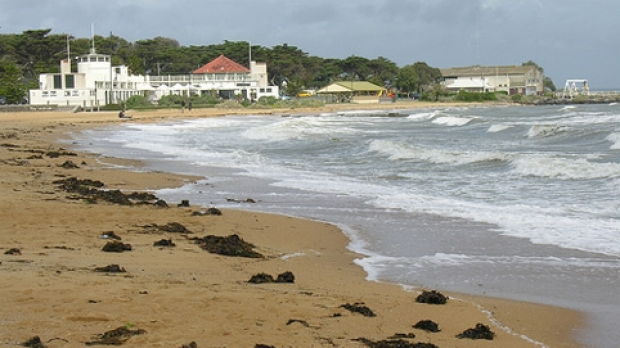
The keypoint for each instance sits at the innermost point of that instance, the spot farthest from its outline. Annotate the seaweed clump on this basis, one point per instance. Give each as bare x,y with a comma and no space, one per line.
231,245
173,227
34,342
116,247
260,278
480,332
13,251
359,308
115,337
90,190
113,268
427,325
164,243
394,343
210,211
432,297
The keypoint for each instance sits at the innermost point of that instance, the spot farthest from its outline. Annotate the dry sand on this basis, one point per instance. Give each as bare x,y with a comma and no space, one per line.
174,296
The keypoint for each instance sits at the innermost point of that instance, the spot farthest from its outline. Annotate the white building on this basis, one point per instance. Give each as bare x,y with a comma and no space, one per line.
527,79
98,83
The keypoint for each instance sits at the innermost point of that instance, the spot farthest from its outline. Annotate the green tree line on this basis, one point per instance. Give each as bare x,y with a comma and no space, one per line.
24,56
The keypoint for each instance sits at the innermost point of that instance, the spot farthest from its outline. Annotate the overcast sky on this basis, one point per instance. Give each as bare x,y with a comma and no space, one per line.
568,38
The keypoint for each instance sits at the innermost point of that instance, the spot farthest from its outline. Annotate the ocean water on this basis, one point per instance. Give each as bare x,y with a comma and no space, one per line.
512,202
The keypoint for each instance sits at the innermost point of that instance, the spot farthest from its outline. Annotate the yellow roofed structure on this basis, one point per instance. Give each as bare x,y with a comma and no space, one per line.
360,92
353,87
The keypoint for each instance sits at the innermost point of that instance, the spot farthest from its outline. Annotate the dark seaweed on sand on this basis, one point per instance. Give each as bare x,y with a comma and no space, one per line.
231,245
113,268
116,247
210,211
260,278
89,190
398,343
13,251
115,337
164,243
173,227
427,325
432,297
61,152
359,308
34,342
397,336
480,332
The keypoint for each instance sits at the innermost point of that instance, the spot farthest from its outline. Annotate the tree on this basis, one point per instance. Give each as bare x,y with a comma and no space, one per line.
325,71
11,85
428,76
355,68
286,63
157,54
407,80
383,72
548,84
532,63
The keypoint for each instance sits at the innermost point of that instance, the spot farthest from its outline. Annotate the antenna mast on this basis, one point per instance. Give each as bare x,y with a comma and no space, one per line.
92,37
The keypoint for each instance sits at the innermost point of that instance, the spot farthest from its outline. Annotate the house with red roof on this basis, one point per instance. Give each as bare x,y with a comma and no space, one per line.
232,80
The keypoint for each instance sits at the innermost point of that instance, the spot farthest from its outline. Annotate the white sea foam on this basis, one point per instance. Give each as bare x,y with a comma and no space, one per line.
424,116
564,168
499,128
453,121
615,139
397,151
298,128
539,224
537,131
459,260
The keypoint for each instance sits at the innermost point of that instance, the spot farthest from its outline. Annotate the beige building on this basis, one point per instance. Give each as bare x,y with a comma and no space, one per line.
527,80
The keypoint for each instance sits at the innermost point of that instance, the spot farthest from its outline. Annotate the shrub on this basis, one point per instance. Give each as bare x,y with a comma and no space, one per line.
475,96
516,98
137,101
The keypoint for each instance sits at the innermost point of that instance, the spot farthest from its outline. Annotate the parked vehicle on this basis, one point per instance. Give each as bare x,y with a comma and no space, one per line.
2,100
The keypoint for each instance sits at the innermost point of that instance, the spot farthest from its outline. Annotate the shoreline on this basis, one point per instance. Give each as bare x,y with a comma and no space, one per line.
326,276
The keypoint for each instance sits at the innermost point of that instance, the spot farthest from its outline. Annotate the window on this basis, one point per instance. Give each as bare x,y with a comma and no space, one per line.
69,81
57,82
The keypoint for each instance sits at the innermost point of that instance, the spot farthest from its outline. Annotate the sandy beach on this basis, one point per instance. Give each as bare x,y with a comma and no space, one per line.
58,283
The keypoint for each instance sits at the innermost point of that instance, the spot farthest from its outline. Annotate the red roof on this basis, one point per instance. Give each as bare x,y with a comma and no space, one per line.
221,65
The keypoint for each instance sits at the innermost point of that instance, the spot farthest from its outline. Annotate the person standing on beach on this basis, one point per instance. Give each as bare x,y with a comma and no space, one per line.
183,106
189,106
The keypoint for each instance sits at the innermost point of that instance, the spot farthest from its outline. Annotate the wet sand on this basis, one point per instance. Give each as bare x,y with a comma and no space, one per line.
51,243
